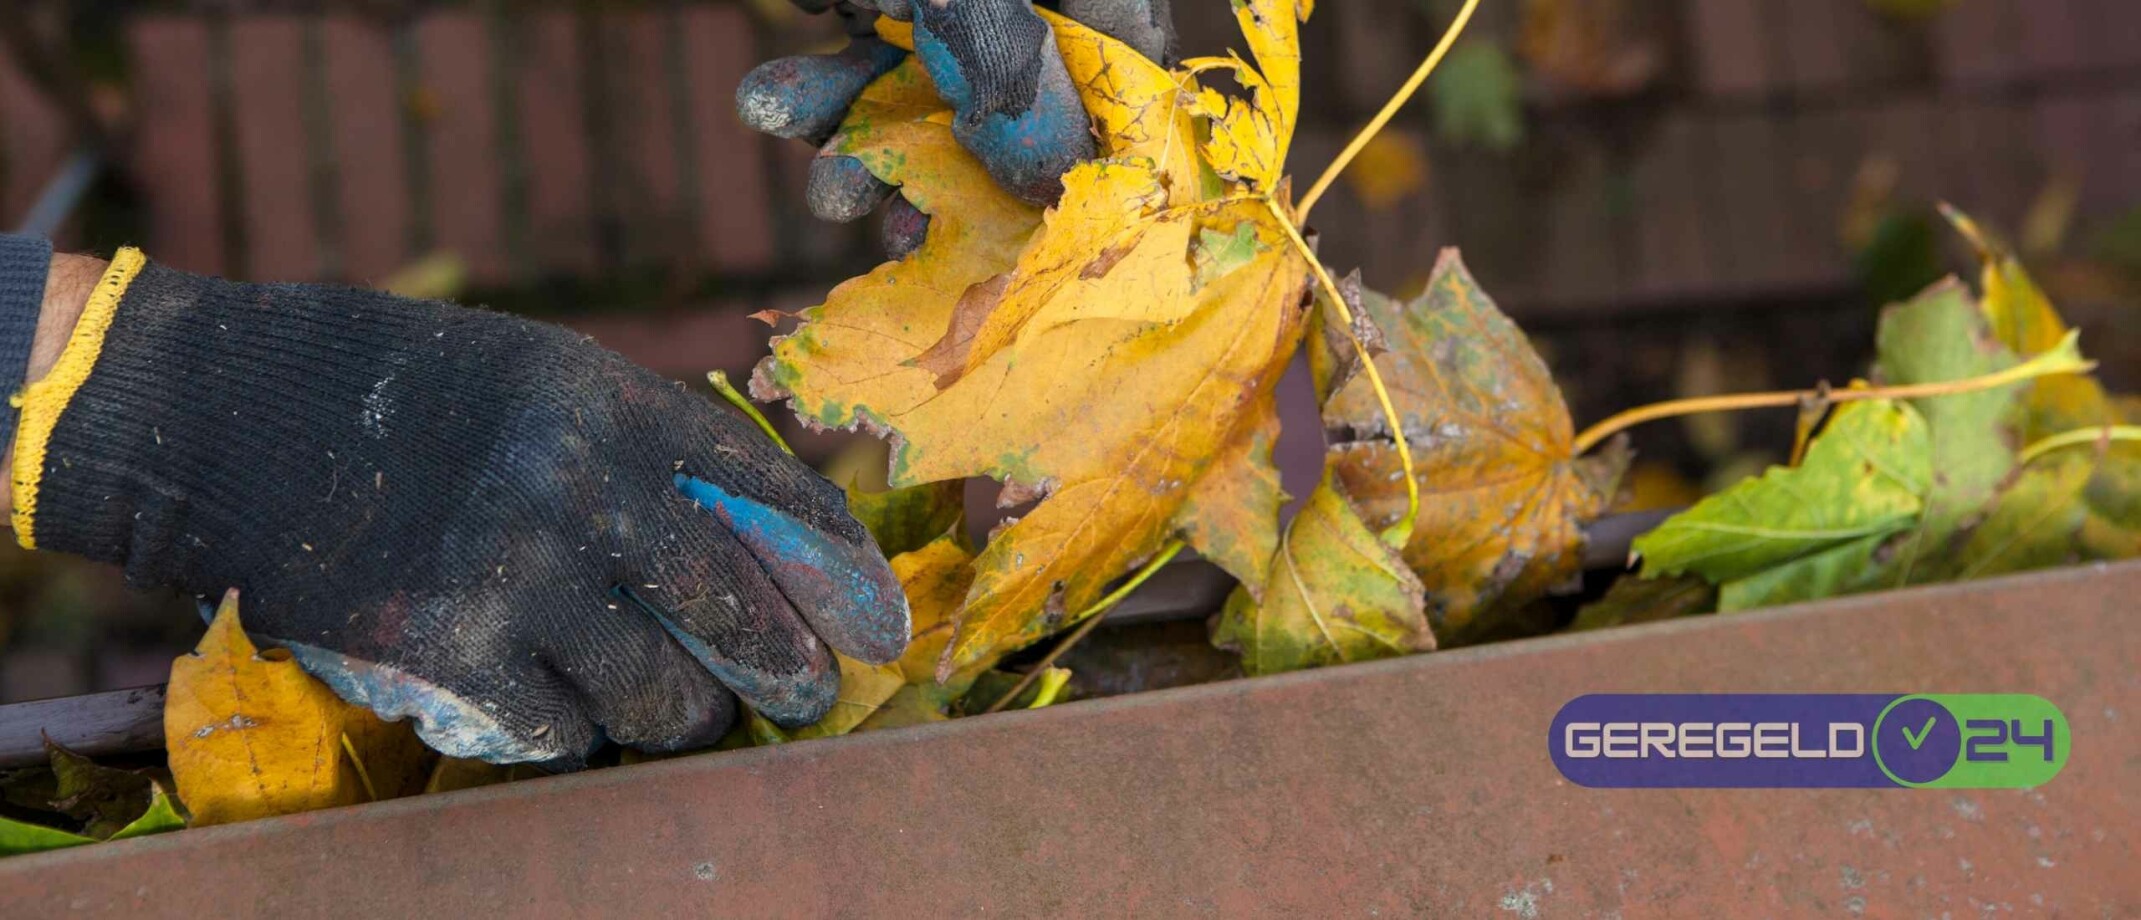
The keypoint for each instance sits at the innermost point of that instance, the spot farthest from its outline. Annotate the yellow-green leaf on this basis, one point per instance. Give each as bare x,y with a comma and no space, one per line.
905,520
2036,522
1807,531
1335,594
2025,320
863,690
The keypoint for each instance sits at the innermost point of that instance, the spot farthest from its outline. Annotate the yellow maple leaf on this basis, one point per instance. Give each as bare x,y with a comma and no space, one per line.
251,735
1250,136
1503,497
1336,594
1116,359
850,362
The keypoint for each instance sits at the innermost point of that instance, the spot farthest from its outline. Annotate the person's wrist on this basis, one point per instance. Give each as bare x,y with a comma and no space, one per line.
68,283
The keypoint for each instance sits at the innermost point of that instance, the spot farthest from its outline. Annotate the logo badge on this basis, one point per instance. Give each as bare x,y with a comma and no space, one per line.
1811,741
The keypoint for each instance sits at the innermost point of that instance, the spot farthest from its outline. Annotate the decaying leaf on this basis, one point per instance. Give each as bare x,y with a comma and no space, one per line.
104,798
1121,422
1633,599
1808,531
251,735
910,706
88,802
1115,359
1336,594
1503,498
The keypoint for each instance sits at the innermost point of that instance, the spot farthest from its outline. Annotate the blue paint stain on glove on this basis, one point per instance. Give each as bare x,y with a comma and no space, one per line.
847,593
996,62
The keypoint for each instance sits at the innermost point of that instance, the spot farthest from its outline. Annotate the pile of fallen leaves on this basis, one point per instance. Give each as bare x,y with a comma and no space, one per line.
1112,361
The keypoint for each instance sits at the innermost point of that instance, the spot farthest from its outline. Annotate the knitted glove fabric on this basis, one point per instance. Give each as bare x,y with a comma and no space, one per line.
484,523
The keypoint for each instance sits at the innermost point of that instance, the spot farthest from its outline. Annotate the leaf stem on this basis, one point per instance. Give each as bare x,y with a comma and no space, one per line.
2061,359
1092,617
1400,533
371,793
2095,434
1390,110
720,380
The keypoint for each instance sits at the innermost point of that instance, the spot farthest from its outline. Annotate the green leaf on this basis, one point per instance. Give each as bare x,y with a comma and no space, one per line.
1940,336
1806,531
912,705
1479,97
19,837
161,816
905,520
1634,599
1335,594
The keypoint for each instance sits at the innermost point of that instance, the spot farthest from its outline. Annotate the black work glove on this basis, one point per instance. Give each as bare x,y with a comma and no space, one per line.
996,64
487,524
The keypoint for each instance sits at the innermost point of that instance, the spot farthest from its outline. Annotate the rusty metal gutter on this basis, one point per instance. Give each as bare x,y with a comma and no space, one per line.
1412,787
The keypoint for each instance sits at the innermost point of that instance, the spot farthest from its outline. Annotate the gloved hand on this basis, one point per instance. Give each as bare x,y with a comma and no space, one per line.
994,61
485,523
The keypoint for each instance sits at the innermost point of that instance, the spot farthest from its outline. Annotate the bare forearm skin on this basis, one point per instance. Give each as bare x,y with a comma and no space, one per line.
67,287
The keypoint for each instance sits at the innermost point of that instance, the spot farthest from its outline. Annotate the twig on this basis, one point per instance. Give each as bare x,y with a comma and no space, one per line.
1400,533
1390,109
2095,434
720,380
1811,411
2051,362
1092,617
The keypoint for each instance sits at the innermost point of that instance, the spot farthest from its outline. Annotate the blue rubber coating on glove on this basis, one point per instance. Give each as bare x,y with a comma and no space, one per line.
806,97
448,722
841,590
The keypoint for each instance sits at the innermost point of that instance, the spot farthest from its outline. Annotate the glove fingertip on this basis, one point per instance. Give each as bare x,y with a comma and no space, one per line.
905,229
1027,125
845,591
806,97
842,190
